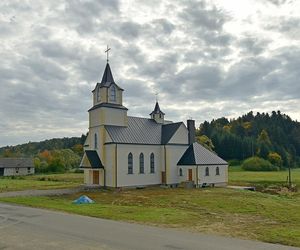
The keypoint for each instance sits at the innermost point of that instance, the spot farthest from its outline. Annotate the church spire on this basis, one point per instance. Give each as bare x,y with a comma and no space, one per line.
157,114
107,75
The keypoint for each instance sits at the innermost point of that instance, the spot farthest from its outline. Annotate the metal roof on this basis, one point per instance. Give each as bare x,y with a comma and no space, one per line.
196,154
93,158
109,105
168,130
107,79
16,163
107,75
142,131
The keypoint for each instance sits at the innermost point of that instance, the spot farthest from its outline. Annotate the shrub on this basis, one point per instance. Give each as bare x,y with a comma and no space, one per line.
275,159
258,164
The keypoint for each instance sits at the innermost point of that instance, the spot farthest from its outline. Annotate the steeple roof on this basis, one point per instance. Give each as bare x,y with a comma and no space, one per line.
157,109
107,79
107,75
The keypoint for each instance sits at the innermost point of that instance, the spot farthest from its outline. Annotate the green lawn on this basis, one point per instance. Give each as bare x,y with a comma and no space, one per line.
243,214
239,177
44,181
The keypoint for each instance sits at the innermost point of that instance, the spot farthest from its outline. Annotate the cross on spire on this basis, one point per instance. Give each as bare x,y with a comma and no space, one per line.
106,51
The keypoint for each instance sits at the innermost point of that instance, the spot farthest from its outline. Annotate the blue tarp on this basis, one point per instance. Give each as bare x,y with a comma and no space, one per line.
83,200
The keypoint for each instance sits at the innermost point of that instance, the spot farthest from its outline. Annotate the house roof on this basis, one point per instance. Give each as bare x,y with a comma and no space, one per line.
157,109
196,154
16,163
93,158
142,131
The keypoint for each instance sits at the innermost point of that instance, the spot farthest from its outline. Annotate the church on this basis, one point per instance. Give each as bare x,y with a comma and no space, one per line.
128,151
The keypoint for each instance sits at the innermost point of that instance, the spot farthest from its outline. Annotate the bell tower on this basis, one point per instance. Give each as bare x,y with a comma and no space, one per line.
108,106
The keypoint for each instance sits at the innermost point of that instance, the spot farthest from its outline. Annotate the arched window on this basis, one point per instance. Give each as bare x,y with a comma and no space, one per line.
130,164
206,171
95,141
113,93
180,172
142,163
98,95
152,164
217,171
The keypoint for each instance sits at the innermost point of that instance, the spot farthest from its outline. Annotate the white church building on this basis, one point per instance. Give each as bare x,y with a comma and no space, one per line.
127,151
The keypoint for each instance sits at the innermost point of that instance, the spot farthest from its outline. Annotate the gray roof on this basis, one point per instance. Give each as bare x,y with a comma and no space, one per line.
107,78
142,131
157,109
196,154
16,163
93,158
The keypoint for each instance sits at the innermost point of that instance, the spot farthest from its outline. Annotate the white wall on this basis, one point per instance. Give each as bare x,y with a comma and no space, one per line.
173,155
213,178
217,180
137,179
181,136
18,171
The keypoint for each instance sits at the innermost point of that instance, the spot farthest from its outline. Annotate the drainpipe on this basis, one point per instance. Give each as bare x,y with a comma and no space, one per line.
104,172
116,164
197,178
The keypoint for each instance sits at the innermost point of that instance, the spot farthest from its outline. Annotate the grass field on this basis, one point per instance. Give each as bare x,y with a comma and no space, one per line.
243,214
239,177
44,181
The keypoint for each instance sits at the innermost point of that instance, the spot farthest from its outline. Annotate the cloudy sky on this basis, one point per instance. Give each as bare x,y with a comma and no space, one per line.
206,59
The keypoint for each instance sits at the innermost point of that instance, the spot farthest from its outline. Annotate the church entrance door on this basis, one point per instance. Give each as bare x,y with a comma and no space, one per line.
190,174
96,177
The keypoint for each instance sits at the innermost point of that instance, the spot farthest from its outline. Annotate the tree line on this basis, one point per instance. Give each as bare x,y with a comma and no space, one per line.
54,155
274,137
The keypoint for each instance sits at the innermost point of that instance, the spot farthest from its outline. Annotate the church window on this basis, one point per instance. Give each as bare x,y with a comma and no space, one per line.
206,171
98,95
217,171
142,170
130,164
113,93
152,164
96,141
180,172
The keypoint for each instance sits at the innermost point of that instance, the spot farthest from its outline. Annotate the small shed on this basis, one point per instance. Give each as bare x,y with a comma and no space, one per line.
16,166
202,167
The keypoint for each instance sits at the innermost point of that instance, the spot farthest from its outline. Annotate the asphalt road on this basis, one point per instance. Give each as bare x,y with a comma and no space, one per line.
29,228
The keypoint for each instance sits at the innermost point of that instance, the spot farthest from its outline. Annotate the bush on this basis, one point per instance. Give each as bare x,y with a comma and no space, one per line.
258,164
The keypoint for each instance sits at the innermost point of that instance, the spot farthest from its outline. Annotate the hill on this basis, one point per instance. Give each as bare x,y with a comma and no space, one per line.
31,149
264,135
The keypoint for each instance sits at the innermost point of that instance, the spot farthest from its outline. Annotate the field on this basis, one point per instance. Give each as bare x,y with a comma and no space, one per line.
50,181
244,214
245,178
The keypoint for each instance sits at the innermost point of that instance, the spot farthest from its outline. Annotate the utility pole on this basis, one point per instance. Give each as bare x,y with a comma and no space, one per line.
290,180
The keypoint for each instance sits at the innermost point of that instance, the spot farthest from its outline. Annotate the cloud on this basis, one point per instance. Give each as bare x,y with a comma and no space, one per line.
204,60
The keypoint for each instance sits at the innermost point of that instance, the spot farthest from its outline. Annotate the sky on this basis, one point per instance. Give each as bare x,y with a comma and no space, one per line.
205,59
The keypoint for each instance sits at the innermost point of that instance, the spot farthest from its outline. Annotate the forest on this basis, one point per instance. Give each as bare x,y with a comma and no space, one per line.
273,137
